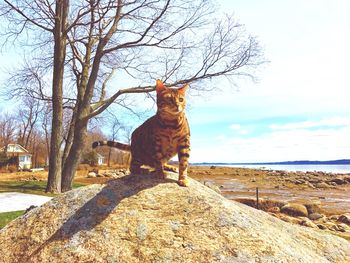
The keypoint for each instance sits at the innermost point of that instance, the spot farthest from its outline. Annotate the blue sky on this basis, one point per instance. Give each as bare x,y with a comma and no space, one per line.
299,109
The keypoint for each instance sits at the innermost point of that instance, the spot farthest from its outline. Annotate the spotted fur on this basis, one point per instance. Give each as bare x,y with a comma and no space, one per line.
162,136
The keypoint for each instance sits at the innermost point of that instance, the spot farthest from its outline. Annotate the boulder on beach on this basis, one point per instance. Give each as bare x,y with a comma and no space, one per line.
146,219
294,209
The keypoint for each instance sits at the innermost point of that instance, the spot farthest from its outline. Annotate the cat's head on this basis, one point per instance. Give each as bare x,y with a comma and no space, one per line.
170,101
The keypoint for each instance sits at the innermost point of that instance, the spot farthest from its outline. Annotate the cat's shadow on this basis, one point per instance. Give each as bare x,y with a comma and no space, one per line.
98,208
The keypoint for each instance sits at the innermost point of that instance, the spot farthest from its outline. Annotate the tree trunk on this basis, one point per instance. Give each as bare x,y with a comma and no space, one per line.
54,178
69,139
109,157
73,159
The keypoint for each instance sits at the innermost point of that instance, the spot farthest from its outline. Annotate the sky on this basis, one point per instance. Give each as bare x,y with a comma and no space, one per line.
299,108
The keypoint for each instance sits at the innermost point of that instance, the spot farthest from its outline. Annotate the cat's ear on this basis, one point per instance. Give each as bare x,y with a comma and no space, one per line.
160,86
183,89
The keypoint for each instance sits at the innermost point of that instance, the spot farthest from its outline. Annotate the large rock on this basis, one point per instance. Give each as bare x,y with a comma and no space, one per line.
294,209
144,219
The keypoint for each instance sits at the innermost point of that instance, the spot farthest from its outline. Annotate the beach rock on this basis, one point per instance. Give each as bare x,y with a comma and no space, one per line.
289,219
310,185
294,209
343,227
147,219
344,219
338,181
321,226
334,217
110,174
315,180
307,222
314,207
299,181
322,185
91,175
315,216
331,226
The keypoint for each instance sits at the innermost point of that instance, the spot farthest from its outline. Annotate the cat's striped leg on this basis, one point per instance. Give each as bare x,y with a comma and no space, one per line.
183,154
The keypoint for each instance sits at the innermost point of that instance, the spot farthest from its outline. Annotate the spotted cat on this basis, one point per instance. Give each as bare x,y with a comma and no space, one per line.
162,136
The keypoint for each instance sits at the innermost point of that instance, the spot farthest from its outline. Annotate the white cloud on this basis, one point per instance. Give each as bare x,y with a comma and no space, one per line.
239,129
329,122
235,126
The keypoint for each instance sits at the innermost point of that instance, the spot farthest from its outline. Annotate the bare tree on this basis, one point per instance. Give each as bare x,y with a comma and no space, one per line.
114,130
178,41
8,128
28,116
50,18
45,122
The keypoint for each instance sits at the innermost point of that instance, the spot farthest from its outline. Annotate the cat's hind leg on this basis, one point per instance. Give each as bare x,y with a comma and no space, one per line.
159,166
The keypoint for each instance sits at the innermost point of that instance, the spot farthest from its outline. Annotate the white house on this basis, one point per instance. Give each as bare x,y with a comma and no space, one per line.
100,159
24,158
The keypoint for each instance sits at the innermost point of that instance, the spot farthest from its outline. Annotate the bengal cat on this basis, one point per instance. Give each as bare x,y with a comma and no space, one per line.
162,136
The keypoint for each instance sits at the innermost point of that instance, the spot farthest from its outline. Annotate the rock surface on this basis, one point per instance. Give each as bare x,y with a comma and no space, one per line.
145,219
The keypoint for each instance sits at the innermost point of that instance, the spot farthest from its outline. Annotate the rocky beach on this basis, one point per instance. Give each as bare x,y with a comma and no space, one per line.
314,199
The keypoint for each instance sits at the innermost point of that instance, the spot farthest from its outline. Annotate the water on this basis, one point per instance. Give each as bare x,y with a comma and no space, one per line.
334,168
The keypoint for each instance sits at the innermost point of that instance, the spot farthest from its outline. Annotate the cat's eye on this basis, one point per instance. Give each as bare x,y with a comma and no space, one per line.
181,99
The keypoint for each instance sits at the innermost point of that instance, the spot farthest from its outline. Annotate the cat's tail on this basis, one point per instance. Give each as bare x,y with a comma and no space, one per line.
118,145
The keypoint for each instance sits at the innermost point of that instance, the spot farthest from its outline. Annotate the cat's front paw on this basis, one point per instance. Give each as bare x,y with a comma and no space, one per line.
184,182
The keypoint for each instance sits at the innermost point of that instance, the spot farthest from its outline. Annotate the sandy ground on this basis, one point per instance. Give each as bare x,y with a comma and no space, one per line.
19,201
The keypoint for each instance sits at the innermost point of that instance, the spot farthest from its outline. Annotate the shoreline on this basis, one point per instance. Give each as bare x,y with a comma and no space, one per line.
326,168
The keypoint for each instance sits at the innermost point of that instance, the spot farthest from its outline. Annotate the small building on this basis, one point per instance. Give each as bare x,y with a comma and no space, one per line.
100,159
17,154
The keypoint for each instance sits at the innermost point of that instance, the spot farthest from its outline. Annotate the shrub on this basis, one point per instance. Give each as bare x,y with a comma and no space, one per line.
90,158
12,168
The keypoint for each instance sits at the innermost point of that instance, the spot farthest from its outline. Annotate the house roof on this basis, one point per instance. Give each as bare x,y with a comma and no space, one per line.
10,148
